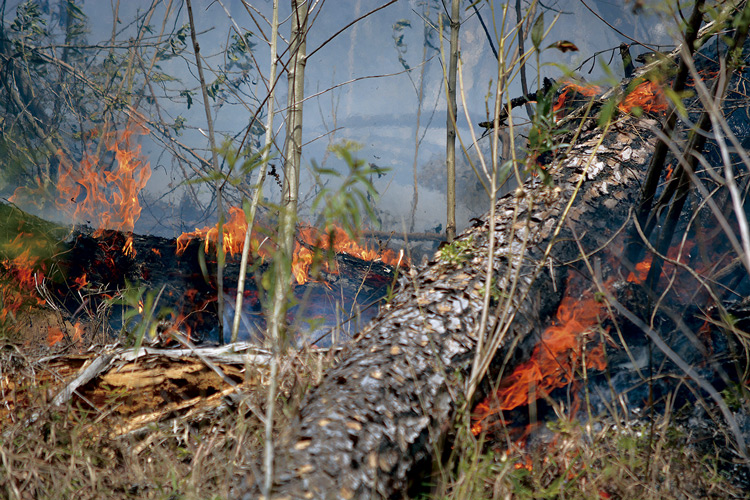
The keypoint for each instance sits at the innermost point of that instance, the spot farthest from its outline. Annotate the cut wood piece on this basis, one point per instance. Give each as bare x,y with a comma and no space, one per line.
141,387
380,414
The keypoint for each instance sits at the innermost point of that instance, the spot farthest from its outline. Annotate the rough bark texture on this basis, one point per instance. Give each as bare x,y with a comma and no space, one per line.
382,412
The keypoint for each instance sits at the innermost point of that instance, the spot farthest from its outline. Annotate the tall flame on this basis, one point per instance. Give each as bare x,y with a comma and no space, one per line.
88,191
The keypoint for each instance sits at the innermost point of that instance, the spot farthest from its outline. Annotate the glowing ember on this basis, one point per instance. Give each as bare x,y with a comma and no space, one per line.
81,281
87,191
553,362
647,96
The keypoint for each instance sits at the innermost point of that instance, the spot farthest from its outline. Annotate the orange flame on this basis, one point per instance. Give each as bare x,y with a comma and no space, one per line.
88,192
334,239
81,281
553,361
570,87
678,253
648,96
23,270
234,235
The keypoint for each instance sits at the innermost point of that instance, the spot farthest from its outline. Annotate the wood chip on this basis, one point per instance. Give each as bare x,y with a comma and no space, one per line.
305,469
355,426
346,493
301,445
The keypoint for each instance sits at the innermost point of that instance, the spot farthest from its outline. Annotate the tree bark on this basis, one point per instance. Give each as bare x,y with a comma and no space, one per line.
450,147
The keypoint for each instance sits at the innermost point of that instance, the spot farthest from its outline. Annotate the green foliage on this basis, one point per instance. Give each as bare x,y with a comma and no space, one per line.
177,42
213,89
537,31
496,293
241,165
188,95
544,135
239,50
736,395
353,197
29,22
457,252
140,311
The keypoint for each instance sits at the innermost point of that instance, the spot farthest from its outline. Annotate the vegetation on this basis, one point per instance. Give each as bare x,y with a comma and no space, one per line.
61,94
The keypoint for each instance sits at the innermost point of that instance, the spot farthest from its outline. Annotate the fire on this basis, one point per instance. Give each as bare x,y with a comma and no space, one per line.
21,274
88,191
234,235
335,238
55,334
81,281
679,253
647,96
553,361
568,89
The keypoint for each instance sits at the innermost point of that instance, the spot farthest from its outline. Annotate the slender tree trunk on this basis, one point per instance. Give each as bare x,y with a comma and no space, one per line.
450,146
215,160
287,217
261,176
417,140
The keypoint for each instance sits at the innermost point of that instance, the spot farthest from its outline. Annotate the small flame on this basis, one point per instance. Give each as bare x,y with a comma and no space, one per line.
647,96
21,269
234,236
335,238
680,253
81,281
570,87
54,335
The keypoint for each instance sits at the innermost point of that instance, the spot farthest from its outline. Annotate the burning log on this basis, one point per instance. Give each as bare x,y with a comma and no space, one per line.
378,415
68,264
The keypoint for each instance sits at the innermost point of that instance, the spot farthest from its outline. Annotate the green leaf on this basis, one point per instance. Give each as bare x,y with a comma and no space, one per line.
677,100
537,31
607,112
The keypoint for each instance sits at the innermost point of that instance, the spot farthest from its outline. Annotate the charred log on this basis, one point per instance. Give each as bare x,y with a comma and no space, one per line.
78,264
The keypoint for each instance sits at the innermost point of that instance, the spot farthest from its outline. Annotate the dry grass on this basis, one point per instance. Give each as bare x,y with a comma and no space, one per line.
72,452
602,460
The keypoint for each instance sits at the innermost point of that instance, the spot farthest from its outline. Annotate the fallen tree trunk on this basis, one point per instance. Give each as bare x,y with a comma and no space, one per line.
383,411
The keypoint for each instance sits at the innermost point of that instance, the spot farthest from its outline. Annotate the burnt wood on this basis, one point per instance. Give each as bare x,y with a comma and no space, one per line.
80,262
